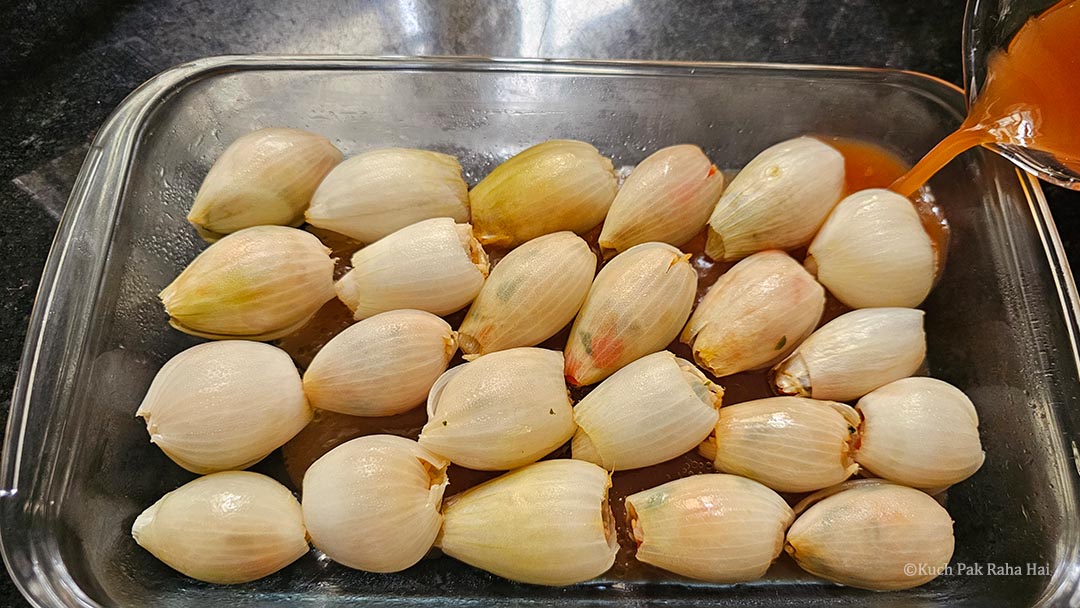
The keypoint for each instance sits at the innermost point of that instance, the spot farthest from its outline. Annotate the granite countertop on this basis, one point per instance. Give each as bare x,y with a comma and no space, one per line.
67,64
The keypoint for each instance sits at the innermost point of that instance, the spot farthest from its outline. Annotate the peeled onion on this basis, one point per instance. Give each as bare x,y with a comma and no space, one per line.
224,405
716,528
547,524
778,200
853,354
266,177
874,251
378,192
790,444
637,304
373,503
873,535
530,295
920,432
381,366
226,528
755,314
259,283
650,411
434,265
554,186
667,198
500,411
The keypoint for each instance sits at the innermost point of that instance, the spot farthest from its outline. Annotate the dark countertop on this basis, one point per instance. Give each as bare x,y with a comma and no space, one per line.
65,65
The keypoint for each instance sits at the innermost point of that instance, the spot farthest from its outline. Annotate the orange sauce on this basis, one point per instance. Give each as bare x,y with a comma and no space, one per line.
866,165
1029,99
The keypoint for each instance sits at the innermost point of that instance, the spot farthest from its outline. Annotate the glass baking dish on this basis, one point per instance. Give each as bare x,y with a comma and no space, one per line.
77,466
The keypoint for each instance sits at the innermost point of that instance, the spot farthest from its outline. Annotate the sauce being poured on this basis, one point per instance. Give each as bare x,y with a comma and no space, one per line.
1029,100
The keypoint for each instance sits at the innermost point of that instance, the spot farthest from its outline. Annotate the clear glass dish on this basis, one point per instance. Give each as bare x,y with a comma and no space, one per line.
77,467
